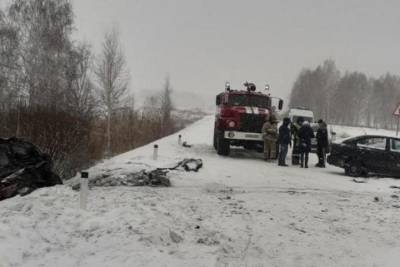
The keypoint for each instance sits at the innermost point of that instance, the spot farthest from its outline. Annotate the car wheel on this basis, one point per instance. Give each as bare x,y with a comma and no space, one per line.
354,169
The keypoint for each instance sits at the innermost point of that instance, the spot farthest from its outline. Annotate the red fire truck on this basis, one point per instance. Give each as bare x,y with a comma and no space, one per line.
240,116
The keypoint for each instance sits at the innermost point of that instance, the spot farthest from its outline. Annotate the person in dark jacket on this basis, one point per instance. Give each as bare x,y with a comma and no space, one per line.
295,127
306,133
322,143
284,141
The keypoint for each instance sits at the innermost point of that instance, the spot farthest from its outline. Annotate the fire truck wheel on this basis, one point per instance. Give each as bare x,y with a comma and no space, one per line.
215,140
248,146
223,146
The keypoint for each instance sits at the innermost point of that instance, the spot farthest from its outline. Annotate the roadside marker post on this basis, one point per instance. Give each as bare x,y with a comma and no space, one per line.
397,114
179,139
84,190
155,152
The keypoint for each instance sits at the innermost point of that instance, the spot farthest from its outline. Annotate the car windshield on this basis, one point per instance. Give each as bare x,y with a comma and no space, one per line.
296,118
249,100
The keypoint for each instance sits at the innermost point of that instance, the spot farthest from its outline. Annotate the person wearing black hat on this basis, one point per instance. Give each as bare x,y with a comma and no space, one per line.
322,143
284,141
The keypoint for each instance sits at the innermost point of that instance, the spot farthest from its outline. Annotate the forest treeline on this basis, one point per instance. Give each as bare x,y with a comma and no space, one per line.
350,98
55,93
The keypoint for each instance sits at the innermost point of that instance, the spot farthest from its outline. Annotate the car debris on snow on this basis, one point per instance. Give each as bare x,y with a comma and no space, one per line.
208,241
189,165
157,177
185,144
23,168
143,178
294,227
176,238
360,180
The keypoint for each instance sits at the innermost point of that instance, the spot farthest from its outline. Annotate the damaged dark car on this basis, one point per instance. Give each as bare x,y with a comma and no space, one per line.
367,154
23,168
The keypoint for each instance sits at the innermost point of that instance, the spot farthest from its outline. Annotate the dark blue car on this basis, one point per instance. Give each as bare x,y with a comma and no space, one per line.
366,154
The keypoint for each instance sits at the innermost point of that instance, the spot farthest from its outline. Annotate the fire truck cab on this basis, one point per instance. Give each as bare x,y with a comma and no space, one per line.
240,116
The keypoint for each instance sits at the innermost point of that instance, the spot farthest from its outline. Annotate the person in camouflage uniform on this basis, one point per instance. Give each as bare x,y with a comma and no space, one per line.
270,135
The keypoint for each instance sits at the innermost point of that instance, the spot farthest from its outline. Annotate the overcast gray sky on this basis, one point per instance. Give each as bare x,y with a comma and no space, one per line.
203,43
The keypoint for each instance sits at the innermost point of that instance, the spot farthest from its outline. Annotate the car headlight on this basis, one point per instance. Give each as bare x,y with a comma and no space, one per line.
231,124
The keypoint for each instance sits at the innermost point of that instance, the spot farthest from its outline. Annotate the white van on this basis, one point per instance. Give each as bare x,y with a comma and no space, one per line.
306,114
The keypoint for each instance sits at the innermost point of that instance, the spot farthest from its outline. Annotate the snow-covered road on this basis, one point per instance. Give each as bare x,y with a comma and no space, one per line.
236,211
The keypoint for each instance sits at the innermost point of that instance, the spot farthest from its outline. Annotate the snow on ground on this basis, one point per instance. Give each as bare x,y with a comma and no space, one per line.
236,211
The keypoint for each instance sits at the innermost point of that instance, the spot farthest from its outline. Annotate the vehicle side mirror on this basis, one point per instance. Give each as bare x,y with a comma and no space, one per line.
218,100
280,105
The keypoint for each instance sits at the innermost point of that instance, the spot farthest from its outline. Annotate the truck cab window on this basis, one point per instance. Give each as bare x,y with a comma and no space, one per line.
248,100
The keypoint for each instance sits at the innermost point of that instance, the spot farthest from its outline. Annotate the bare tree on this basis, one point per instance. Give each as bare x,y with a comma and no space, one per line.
166,108
10,71
80,96
351,99
44,30
385,97
330,84
45,64
313,89
112,77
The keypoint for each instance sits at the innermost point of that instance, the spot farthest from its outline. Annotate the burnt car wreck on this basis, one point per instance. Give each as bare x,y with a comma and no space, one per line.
23,168
362,155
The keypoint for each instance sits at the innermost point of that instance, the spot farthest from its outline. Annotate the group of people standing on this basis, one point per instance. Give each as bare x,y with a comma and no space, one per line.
277,141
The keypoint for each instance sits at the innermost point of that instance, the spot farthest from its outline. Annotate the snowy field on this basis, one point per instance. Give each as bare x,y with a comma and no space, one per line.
236,211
